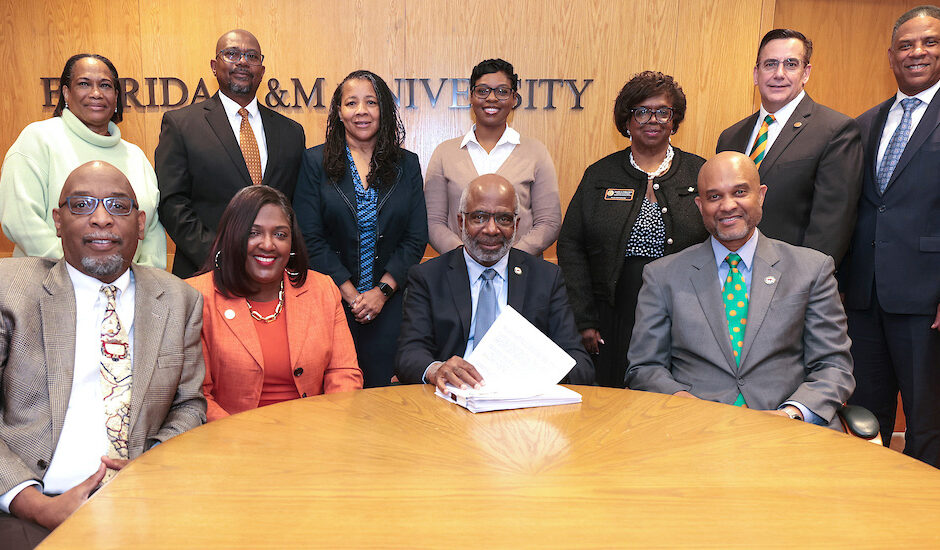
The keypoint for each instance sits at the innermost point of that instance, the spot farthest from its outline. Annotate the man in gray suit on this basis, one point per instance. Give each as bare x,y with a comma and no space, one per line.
809,156
742,318
100,359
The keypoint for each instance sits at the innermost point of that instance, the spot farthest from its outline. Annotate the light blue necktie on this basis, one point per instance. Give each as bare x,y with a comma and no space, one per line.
897,144
486,306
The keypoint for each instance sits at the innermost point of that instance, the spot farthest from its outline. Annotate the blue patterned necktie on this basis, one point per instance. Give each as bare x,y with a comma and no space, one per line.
486,306
897,144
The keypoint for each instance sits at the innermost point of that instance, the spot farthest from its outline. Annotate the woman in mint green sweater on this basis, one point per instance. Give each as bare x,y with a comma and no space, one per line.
82,129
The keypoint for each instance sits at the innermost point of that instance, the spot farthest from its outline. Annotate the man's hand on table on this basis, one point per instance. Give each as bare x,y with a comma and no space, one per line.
456,372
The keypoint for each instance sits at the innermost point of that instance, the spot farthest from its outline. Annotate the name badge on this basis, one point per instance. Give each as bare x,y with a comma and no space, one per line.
618,195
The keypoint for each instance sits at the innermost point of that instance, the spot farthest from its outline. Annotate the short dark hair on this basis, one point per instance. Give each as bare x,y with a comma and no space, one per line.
925,10
488,66
383,167
66,80
784,34
643,86
229,251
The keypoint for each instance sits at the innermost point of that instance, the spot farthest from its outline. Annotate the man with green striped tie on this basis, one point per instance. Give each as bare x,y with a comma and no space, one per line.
808,156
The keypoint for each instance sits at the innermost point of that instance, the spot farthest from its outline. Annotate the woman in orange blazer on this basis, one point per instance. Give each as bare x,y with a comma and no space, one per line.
271,330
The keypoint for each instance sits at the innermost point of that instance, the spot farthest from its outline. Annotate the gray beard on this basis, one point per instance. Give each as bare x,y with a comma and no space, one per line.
104,267
483,256
239,89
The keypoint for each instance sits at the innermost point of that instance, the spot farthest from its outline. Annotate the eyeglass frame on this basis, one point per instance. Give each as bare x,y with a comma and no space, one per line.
102,201
491,216
241,55
489,90
635,110
777,63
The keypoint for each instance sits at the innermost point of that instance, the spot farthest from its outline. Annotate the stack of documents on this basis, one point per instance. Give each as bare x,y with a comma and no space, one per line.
521,367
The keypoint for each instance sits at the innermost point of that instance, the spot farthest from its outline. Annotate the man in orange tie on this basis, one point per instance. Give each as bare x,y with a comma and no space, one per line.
210,150
808,156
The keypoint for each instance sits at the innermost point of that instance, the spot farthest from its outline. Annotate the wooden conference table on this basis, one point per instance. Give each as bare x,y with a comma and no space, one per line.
399,467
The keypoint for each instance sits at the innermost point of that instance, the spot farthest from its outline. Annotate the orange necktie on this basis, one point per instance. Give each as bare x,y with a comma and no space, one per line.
250,148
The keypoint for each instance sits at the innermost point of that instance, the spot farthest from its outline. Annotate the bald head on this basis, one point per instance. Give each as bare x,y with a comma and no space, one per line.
490,184
240,36
730,198
98,221
237,65
488,218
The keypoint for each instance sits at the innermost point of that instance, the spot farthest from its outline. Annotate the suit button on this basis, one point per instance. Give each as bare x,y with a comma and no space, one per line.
882,208
873,244
740,381
669,241
655,187
42,464
304,395
298,371
665,210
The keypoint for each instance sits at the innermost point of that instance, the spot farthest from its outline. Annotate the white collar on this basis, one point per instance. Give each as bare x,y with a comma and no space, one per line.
783,114
231,108
509,136
88,284
926,96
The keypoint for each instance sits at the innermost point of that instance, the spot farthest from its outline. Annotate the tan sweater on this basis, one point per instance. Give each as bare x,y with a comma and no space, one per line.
531,171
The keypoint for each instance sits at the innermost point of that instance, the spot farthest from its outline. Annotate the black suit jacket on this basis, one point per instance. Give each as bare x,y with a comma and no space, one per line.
437,310
896,244
813,174
200,168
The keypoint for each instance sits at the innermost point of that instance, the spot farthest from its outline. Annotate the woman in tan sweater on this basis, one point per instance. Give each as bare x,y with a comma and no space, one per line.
491,146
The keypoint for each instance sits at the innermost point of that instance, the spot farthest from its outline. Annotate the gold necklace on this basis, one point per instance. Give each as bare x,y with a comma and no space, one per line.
268,318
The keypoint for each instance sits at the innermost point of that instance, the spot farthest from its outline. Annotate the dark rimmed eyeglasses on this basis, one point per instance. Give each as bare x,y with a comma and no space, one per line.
480,217
643,114
234,56
481,91
83,206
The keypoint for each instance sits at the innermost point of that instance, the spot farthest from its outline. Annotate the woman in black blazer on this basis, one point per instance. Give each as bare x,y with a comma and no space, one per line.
631,207
360,204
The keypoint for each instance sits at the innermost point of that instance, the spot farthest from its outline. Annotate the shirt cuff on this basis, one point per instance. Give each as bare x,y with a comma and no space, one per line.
7,497
424,377
808,415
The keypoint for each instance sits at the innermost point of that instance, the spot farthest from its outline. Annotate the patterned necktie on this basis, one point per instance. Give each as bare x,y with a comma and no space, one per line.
486,305
250,148
115,378
734,295
897,144
760,144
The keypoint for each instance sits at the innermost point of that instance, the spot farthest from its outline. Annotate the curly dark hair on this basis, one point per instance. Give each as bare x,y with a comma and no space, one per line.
488,66
643,86
229,251
66,81
383,168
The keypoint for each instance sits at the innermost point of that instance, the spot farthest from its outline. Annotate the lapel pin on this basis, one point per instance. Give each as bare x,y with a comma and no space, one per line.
797,124
770,280
517,270
229,314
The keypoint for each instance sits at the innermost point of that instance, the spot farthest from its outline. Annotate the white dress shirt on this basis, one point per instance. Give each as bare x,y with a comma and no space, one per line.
83,440
489,163
781,117
897,112
254,119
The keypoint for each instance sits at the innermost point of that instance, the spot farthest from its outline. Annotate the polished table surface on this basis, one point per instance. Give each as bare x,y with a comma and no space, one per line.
399,467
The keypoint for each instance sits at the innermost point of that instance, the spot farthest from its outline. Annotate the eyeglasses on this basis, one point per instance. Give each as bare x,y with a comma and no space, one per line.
481,91
790,65
234,56
83,206
643,114
479,217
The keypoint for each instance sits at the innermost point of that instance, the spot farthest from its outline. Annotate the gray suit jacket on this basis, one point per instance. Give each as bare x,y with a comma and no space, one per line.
813,174
37,349
795,346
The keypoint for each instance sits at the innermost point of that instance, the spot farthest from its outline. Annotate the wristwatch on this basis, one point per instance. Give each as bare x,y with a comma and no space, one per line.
792,412
386,289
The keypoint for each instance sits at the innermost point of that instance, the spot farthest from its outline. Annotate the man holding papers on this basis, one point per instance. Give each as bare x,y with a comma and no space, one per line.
742,318
452,300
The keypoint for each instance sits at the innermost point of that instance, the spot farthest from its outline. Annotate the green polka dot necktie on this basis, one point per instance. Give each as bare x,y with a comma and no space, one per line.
734,295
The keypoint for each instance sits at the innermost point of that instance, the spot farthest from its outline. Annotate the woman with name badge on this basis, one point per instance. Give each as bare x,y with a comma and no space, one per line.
271,330
360,204
83,128
631,207
493,147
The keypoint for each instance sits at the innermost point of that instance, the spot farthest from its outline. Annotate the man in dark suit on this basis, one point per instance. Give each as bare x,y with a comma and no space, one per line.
100,359
742,318
451,300
808,156
891,275
208,151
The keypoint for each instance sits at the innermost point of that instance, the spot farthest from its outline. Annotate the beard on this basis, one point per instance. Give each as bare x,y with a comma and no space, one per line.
485,256
239,89
107,266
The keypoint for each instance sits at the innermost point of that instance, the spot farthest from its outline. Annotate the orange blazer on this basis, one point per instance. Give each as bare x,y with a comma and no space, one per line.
318,336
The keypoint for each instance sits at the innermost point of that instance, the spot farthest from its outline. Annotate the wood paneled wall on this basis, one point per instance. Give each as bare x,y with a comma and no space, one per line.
708,45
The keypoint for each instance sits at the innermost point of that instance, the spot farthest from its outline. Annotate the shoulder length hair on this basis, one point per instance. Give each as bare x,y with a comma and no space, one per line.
66,81
229,251
383,167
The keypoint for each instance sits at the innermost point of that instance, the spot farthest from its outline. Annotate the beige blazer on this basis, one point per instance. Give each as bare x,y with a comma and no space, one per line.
37,348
